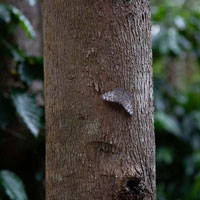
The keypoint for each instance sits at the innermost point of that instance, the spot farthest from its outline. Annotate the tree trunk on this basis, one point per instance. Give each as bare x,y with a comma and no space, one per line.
97,149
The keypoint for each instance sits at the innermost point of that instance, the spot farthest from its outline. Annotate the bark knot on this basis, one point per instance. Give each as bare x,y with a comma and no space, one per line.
133,188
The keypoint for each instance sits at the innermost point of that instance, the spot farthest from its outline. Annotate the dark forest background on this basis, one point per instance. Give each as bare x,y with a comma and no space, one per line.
176,63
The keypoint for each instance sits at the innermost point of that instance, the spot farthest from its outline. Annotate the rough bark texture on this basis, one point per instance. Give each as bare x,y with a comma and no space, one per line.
95,149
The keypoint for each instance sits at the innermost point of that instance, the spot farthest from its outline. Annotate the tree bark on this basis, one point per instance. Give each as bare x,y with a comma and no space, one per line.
96,149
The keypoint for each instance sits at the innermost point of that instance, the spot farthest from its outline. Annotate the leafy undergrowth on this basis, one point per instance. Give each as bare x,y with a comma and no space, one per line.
176,50
177,127
21,112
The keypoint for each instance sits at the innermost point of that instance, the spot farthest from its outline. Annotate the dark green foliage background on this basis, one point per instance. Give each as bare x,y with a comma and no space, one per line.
176,34
22,137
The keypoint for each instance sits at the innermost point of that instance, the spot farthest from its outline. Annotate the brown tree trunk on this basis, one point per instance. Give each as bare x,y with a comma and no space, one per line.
96,149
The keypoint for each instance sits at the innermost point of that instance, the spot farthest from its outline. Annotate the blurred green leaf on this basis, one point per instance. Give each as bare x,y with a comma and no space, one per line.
170,41
193,101
160,103
180,22
161,194
32,2
4,13
167,122
191,128
23,22
192,163
175,32
28,110
164,155
196,188
13,51
20,105
12,185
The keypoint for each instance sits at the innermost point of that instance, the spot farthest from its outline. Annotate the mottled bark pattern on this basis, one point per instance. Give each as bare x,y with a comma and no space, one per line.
94,149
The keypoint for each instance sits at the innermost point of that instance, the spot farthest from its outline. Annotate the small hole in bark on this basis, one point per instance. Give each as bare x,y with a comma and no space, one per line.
132,184
133,188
